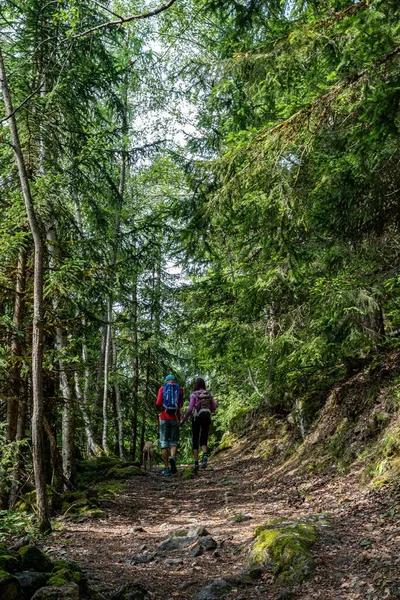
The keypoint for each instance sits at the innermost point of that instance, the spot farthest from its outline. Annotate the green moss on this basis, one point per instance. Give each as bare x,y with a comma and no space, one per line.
287,547
27,502
67,564
94,513
125,472
67,575
10,587
188,473
227,441
33,558
109,488
57,581
9,563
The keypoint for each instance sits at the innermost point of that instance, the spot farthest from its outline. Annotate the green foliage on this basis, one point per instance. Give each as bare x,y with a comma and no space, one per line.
16,523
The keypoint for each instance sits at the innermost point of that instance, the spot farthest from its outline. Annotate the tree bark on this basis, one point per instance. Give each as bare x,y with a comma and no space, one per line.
68,417
16,352
118,409
106,375
37,328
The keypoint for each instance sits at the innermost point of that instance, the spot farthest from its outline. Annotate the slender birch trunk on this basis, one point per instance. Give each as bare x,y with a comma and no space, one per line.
109,335
135,383
118,409
107,355
38,313
16,352
68,417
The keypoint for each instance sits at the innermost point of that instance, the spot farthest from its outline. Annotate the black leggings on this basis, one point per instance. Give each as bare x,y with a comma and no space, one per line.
200,427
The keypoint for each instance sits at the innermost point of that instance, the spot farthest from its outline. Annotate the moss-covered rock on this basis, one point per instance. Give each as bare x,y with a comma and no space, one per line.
124,472
33,558
93,513
56,580
10,587
227,441
9,563
285,546
27,502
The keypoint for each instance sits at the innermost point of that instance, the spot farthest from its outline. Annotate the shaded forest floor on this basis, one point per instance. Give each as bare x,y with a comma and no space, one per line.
358,557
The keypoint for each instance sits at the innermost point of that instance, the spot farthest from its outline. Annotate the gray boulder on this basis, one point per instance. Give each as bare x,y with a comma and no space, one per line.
133,590
30,582
69,591
214,591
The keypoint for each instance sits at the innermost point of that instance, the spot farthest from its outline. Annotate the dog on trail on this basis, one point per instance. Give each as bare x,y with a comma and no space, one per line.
148,454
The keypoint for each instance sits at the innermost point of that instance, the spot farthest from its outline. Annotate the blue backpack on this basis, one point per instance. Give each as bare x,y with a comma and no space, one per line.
171,396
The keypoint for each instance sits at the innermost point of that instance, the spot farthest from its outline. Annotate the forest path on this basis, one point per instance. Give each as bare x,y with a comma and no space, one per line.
358,559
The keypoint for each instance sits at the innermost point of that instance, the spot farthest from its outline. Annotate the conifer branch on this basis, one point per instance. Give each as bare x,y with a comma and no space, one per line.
123,20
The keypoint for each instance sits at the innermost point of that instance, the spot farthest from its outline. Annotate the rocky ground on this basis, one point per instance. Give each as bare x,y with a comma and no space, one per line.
356,557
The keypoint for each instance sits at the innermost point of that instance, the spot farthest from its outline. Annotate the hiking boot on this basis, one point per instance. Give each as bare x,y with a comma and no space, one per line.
196,466
172,463
204,461
165,471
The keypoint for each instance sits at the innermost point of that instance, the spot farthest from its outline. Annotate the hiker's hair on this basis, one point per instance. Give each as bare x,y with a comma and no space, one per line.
199,384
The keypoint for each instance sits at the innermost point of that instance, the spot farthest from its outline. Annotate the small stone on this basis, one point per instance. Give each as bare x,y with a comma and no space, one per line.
173,561
208,542
240,518
197,550
185,585
366,542
143,559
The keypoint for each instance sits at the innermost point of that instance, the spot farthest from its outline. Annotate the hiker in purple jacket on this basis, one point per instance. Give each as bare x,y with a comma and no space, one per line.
202,404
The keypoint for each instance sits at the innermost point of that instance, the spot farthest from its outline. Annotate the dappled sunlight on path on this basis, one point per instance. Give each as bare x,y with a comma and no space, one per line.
125,546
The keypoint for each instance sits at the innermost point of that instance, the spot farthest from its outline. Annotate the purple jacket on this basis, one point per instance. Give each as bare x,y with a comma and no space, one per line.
192,404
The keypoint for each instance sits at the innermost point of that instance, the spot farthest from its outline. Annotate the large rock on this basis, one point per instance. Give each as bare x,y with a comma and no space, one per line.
9,562
133,590
70,591
33,558
10,587
214,591
30,582
285,548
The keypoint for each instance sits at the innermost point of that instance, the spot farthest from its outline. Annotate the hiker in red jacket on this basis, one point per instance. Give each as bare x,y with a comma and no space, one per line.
169,401
202,404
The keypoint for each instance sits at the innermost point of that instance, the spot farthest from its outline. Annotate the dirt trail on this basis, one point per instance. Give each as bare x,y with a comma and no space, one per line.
359,558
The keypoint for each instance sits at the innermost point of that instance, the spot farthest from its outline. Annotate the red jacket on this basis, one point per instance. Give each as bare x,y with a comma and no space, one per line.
164,416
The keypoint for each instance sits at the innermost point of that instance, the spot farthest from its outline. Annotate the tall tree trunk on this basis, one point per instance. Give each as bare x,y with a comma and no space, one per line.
118,409
20,434
109,335
106,375
37,329
68,417
16,353
93,448
135,383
